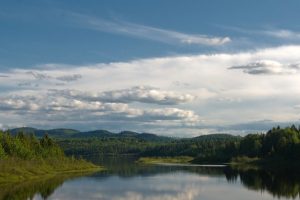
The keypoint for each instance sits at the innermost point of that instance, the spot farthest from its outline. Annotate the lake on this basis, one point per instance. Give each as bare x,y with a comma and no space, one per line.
126,180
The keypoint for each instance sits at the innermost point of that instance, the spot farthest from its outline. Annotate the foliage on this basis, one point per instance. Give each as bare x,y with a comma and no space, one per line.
277,144
28,146
44,186
281,143
204,145
24,156
155,160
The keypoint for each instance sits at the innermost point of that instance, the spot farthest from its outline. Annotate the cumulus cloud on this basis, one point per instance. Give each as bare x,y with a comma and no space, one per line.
18,103
172,114
135,94
28,84
104,110
297,107
38,75
106,94
269,67
69,78
44,76
146,95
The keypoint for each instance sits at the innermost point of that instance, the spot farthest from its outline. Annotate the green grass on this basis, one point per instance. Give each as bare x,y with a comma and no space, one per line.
44,186
244,163
244,160
157,160
18,170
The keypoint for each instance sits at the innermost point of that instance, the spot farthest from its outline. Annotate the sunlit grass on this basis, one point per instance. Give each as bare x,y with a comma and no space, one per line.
16,169
157,160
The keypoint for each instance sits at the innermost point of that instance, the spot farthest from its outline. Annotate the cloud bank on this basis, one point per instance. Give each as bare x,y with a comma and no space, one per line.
178,95
141,94
269,67
53,106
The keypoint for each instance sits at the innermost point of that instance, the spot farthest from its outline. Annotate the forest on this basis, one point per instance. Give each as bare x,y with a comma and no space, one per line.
277,143
24,156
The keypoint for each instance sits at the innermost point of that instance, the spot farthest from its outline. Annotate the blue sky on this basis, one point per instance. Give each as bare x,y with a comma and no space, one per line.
172,67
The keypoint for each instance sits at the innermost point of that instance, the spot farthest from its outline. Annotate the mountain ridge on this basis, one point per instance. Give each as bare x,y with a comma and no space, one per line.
65,133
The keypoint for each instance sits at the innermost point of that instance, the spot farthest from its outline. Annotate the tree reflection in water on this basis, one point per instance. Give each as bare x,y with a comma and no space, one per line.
283,183
279,183
27,190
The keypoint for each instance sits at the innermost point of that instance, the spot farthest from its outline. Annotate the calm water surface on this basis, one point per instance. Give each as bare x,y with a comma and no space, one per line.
126,180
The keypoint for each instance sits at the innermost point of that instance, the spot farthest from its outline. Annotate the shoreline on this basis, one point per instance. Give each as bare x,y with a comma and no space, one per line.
254,163
14,170
6,179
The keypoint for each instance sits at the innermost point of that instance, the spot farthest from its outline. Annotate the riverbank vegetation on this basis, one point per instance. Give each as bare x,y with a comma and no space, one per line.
24,157
159,160
277,146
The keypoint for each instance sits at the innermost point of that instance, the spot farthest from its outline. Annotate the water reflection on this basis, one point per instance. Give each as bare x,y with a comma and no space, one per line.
280,183
126,180
28,190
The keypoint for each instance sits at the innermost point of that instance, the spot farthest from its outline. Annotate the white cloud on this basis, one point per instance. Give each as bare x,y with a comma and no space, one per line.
38,75
173,114
269,67
135,94
283,33
106,92
3,76
147,32
18,103
44,76
187,186
69,78
61,106
297,107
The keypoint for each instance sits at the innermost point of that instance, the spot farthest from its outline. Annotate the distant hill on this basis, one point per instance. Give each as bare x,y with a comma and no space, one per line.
63,133
73,134
103,142
153,137
55,133
95,133
216,137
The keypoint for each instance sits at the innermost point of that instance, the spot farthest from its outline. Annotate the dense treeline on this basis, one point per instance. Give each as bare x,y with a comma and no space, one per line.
102,142
277,143
28,147
206,145
23,157
106,146
283,142
202,145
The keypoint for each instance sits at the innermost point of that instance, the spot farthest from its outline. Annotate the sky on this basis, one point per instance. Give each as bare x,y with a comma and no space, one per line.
175,68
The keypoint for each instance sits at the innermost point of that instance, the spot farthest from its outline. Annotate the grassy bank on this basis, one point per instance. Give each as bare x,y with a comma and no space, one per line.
43,186
264,163
157,160
244,160
18,170
25,157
